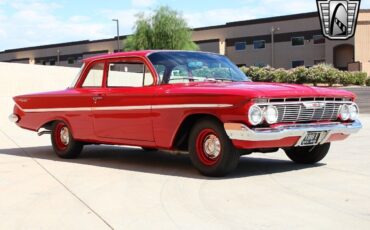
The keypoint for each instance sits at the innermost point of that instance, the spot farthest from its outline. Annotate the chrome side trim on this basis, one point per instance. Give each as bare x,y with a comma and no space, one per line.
57,110
182,106
125,108
237,131
121,108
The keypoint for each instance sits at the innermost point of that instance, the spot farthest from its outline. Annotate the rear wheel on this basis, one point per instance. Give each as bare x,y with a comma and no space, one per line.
211,150
309,154
63,142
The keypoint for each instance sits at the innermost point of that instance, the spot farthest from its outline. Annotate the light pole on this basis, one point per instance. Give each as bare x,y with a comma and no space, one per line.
58,57
118,41
273,30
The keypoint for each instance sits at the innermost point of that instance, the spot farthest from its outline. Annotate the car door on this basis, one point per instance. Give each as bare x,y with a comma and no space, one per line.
123,110
90,83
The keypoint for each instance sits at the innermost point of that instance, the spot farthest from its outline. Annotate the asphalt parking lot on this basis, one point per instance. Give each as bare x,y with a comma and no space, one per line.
126,188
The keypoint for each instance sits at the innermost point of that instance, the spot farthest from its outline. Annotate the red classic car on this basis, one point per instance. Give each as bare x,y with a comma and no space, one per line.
194,102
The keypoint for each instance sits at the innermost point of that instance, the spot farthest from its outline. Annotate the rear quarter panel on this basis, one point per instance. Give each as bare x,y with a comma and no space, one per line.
34,110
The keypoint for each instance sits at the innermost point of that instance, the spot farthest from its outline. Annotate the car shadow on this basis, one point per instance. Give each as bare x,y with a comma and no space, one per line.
156,162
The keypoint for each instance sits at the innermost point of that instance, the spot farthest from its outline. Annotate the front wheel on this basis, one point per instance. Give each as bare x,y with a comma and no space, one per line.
308,154
64,145
211,150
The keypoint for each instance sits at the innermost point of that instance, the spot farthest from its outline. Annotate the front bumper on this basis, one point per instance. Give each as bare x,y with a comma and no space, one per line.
240,132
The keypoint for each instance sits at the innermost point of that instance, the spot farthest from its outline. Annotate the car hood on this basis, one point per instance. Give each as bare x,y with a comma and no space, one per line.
258,90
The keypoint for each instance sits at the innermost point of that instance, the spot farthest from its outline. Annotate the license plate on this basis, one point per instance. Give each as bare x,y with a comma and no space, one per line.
311,138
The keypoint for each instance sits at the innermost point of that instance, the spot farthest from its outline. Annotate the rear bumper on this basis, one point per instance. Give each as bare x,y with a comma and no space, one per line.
240,132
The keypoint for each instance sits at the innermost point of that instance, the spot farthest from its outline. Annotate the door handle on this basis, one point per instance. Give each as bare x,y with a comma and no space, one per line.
97,98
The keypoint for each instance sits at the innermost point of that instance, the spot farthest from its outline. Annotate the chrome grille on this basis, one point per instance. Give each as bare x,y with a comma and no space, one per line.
298,112
294,110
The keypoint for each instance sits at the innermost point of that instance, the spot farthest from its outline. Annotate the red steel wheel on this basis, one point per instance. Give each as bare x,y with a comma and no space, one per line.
208,147
211,150
64,145
61,136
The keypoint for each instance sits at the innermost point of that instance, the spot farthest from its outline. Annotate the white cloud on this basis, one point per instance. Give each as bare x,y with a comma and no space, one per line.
143,3
250,9
36,23
218,16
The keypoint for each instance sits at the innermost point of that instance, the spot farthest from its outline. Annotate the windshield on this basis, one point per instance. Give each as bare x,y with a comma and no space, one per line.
183,67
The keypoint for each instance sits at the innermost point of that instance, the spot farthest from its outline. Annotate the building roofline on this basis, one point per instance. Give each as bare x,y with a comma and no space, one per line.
226,25
266,20
56,45
261,20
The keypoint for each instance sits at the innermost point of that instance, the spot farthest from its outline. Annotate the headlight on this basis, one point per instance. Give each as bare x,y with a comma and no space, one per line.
255,115
344,113
271,114
353,112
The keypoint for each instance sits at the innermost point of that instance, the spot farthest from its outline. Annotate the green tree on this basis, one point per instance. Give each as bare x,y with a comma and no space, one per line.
165,29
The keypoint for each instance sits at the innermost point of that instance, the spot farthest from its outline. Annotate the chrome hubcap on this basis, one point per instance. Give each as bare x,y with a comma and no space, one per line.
212,146
64,135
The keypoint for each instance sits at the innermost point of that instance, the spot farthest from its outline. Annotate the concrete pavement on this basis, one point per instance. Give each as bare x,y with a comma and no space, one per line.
126,188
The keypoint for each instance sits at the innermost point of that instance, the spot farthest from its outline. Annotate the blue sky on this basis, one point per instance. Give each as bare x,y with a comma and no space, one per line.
38,22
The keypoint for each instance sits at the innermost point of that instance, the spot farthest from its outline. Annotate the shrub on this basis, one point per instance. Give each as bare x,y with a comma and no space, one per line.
259,74
359,78
368,81
298,75
280,75
318,74
345,78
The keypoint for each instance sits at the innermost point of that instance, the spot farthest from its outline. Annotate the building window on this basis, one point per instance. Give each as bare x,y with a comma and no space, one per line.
297,41
240,45
297,63
318,39
52,62
71,61
316,62
261,44
261,65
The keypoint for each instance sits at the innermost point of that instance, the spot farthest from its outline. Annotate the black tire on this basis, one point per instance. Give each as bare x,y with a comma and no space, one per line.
64,149
149,149
309,154
228,157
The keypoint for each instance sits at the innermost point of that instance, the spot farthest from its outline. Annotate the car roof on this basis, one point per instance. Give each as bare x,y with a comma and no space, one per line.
140,53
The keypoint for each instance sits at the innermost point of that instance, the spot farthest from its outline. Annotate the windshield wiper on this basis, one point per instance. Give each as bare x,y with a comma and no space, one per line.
220,79
183,78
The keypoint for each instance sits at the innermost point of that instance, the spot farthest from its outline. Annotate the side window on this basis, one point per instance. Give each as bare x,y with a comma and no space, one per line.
179,74
95,76
129,74
160,71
